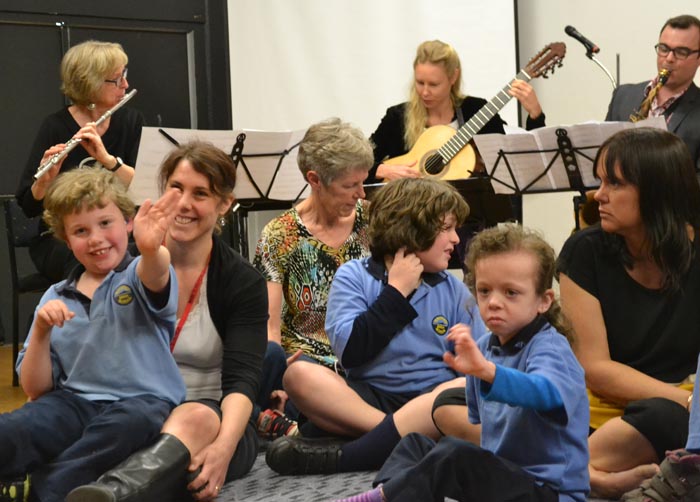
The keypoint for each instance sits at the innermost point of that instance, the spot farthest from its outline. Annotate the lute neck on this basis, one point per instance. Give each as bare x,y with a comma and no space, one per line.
479,120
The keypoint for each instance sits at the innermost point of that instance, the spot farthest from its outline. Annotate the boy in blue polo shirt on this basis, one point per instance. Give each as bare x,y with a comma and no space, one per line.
96,364
387,320
525,389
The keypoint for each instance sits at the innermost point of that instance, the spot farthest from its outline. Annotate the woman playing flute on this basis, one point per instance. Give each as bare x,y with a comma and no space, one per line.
94,79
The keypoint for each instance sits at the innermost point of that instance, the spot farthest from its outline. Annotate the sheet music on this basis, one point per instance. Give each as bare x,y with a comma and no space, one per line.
287,185
530,152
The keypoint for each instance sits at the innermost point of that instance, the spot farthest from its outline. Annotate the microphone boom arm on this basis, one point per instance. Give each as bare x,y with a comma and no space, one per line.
591,49
590,56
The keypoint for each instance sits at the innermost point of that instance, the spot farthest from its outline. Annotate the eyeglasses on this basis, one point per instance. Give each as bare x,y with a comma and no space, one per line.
120,79
679,52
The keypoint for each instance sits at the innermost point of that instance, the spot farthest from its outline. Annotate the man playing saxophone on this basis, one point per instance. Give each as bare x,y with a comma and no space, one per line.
678,99
94,79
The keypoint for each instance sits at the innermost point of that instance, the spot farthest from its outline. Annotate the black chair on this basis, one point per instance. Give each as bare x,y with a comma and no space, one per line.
20,230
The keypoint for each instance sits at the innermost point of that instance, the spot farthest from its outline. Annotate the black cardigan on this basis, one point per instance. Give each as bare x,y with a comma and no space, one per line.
237,298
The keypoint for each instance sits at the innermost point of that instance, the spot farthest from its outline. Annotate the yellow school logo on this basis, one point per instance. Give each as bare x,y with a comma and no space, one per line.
123,295
440,325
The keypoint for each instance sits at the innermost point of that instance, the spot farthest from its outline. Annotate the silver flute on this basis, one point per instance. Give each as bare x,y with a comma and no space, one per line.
73,142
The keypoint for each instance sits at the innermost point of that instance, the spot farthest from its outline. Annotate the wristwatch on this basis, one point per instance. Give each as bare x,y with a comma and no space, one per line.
119,164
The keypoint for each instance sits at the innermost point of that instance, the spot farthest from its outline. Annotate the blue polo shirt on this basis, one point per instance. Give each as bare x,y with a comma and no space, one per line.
694,425
535,369
118,344
415,329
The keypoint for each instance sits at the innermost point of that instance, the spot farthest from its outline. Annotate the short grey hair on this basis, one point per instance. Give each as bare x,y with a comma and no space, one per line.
333,148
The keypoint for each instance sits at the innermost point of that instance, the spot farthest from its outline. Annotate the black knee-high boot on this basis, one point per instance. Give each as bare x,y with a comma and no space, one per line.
149,474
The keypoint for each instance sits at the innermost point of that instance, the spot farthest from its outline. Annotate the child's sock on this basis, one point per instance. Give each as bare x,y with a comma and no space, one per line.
370,496
371,450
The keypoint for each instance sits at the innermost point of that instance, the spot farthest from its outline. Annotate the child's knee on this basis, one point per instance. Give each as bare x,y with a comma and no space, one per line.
298,375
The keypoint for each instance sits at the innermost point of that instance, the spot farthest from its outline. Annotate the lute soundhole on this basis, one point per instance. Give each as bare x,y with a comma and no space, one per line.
433,163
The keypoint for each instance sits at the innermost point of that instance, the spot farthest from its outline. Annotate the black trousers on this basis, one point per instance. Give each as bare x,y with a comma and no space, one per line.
66,441
420,469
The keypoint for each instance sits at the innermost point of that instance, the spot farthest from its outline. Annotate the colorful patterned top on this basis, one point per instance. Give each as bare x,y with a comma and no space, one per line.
289,255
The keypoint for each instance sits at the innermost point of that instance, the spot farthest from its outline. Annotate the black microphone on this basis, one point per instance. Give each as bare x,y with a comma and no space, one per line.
590,46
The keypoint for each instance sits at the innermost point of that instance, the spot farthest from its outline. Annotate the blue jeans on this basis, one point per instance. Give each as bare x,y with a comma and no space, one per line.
65,441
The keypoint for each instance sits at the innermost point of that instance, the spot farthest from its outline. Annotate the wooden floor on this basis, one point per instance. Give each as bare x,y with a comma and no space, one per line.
10,397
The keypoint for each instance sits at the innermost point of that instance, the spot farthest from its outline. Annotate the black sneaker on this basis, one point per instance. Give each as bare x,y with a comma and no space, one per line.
14,490
297,455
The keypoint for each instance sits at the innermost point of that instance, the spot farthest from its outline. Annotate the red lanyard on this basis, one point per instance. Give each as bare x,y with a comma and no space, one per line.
190,303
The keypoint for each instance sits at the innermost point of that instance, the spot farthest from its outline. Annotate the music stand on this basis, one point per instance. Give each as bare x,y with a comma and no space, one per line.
272,177
267,173
551,159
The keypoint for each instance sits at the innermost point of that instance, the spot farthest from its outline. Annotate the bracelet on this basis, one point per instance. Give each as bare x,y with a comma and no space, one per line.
690,402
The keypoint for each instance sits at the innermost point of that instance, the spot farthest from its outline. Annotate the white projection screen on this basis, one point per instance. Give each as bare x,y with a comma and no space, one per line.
295,62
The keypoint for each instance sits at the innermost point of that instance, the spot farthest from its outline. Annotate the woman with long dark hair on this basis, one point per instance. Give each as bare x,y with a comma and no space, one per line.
631,288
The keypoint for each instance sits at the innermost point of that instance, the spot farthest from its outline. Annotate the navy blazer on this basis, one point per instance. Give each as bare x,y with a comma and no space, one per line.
685,113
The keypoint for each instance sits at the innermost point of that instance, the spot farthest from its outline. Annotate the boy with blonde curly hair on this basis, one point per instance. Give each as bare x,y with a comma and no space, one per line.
96,364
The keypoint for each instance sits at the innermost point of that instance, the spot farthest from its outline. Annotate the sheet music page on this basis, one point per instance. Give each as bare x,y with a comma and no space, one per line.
529,153
516,159
287,185
155,146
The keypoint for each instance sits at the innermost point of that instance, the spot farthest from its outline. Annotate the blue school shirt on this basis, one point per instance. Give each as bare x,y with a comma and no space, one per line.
412,361
118,345
694,425
552,446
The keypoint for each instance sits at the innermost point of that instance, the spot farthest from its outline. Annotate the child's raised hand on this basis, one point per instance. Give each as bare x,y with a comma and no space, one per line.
405,272
467,358
52,313
152,221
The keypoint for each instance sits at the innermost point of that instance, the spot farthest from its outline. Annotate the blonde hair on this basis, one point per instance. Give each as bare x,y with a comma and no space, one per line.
85,67
333,148
85,188
416,116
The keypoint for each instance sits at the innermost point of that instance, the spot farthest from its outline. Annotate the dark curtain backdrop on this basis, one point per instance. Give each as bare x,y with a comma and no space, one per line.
178,61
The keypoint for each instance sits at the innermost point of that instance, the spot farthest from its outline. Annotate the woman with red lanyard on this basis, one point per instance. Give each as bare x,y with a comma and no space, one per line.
219,344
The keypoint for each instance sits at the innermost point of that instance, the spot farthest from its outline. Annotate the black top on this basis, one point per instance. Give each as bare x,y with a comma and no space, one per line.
121,140
649,330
